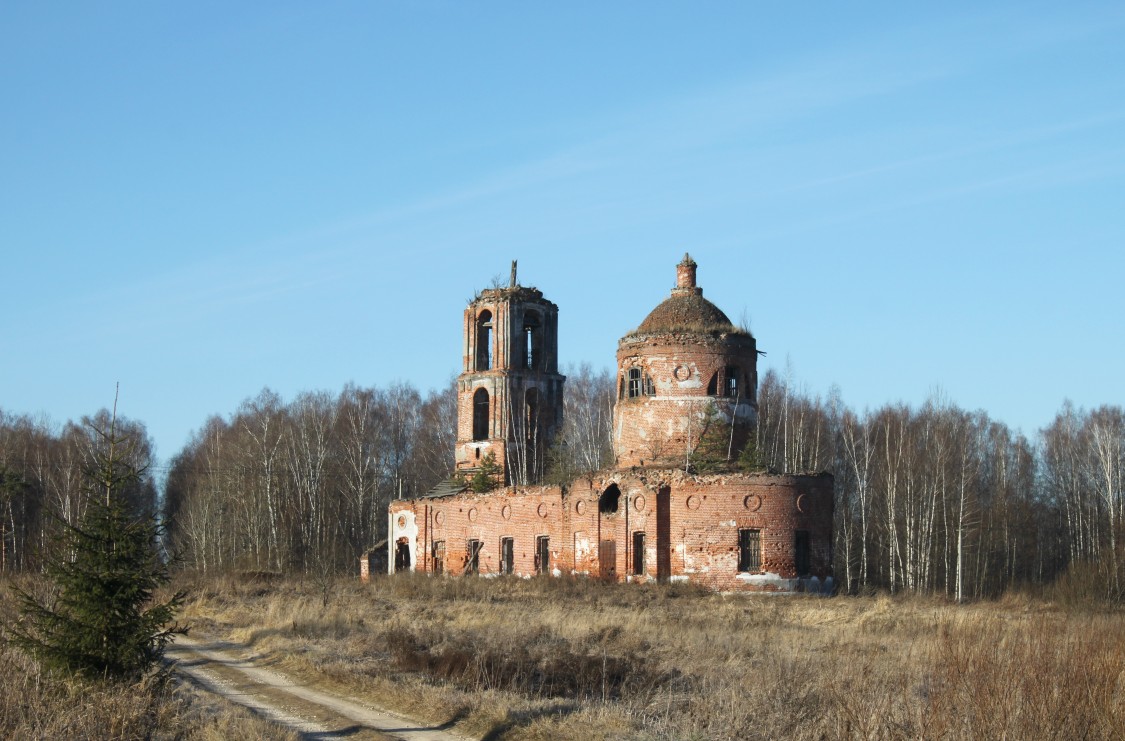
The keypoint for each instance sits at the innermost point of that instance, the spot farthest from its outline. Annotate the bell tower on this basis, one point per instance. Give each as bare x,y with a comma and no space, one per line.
510,392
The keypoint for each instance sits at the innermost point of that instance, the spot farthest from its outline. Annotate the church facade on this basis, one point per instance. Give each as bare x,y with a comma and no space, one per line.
686,395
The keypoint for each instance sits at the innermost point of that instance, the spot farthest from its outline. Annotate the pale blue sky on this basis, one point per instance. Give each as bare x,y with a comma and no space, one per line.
202,199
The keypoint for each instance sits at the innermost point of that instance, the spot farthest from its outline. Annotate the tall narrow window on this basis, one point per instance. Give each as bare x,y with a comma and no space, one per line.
472,563
484,340
438,556
634,386
731,388
750,550
480,415
532,413
639,553
802,552
533,342
542,555
507,556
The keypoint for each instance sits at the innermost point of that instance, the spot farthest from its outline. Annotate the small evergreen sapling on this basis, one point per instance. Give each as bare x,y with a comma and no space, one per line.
103,621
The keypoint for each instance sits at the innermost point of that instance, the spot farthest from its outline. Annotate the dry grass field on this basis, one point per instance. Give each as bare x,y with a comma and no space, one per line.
580,659
561,658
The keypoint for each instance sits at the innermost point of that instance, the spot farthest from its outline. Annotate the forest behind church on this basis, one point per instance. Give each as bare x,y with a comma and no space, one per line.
933,499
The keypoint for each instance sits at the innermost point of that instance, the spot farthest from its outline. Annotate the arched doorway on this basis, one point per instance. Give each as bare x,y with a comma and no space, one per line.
609,507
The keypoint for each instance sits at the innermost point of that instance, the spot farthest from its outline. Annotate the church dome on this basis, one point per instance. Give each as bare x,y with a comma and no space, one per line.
686,311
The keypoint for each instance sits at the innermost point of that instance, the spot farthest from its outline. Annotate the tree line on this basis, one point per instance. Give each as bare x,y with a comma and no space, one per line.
43,480
929,499
939,499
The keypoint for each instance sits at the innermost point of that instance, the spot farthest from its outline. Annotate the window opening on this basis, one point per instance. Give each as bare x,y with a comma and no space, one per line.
750,550
542,555
484,340
639,553
802,553
532,412
731,386
480,415
713,384
437,554
609,501
472,565
507,556
533,342
634,388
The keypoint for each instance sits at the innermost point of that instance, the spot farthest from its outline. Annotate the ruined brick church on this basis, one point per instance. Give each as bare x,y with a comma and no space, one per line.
685,376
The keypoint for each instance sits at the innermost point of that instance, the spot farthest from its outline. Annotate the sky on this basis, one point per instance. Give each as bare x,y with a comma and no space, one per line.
201,200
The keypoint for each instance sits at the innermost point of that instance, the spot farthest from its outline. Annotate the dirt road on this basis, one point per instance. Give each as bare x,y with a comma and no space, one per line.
229,671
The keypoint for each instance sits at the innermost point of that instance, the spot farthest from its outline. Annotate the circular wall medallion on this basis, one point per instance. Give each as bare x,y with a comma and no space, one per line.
580,506
639,502
402,520
802,503
681,373
693,502
473,514
542,510
439,518
752,502
506,511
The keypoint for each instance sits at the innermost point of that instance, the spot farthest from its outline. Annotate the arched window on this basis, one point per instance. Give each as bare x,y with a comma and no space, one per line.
533,342
610,500
480,415
484,340
638,383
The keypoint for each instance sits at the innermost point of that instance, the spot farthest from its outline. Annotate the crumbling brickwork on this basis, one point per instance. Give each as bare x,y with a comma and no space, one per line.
684,374
689,528
697,375
509,393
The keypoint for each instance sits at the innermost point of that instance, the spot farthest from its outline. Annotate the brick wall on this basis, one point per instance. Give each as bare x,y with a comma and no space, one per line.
507,377
697,539
689,376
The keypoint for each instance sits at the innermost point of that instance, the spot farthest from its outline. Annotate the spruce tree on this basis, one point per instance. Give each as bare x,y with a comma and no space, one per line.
105,571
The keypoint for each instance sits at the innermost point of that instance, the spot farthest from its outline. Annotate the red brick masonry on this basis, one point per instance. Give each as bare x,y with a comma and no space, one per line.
689,527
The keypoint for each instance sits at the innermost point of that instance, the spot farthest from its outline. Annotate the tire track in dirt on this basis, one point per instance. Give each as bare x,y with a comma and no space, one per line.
314,713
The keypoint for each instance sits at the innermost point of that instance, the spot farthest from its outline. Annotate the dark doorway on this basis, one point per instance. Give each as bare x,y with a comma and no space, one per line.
472,565
542,555
639,553
663,534
402,555
507,556
802,554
